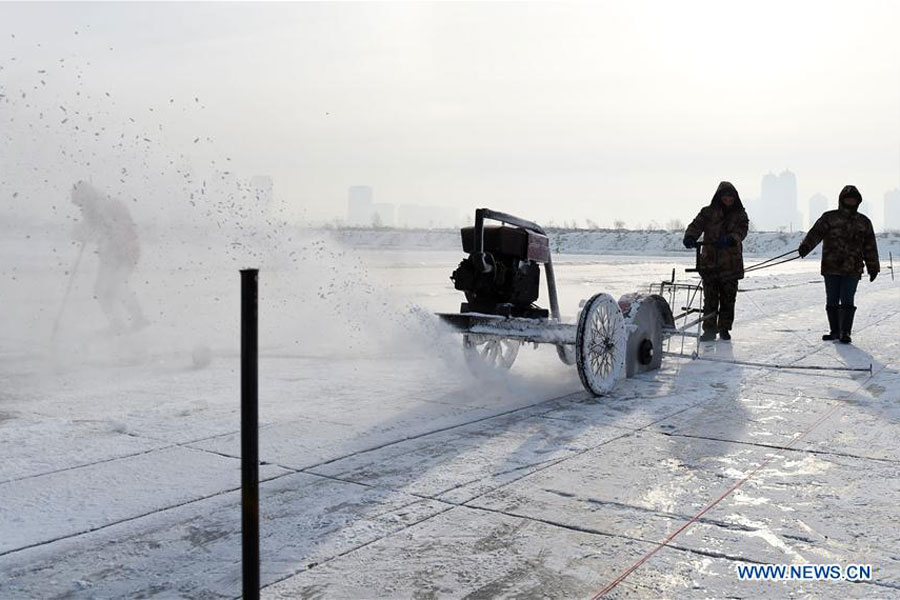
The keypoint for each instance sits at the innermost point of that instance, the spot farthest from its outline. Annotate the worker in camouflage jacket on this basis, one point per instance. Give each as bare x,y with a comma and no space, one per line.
723,225
848,243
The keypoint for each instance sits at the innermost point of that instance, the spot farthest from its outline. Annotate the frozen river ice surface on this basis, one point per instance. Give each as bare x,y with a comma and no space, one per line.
389,471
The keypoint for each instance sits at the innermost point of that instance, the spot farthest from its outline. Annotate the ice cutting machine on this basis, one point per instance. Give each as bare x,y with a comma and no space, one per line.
501,281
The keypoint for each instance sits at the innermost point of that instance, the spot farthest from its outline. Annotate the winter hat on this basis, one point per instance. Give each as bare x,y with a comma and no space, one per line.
79,193
850,191
726,188
84,194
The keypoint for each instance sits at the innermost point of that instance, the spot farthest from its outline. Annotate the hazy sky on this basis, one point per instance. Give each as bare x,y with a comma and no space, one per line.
602,111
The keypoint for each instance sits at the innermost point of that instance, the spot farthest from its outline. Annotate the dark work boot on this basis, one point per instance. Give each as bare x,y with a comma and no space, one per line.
846,314
708,335
834,323
723,333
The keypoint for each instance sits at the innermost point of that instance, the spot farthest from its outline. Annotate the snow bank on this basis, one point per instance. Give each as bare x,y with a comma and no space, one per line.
650,243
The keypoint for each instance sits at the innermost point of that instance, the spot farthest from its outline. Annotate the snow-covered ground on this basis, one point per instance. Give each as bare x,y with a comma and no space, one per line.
389,471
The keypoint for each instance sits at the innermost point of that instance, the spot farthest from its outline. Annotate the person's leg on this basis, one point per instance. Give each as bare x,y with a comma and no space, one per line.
129,299
105,290
848,309
727,299
849,284
711,296
832,302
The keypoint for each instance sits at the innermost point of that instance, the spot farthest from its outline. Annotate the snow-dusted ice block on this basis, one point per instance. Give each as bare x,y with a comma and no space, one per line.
674,573
820,508
801,509
163,404
31,447
869,431
41,509
757,418
796,508
472,554
639,402
303,443
642,486
194,550
459,464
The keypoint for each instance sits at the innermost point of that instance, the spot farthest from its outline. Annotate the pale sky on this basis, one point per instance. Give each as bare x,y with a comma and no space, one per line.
601,111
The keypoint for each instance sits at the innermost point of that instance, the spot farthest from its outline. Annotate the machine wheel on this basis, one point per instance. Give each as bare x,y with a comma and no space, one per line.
646,316
486,354
600,344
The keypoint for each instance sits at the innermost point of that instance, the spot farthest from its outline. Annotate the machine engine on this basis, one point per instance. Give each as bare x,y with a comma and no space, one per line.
505,278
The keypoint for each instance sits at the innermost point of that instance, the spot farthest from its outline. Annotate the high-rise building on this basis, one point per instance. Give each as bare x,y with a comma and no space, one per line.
360,211
817,205
778,203
892,210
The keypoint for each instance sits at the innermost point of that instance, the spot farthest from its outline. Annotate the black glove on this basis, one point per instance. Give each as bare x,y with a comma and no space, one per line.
724,242
803,250
689,242
872,276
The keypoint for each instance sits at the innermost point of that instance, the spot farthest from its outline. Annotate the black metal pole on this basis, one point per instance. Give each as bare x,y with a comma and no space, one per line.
249,434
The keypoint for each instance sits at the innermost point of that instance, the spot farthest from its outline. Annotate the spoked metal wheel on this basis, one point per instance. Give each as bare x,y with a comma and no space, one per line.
600,344
486,354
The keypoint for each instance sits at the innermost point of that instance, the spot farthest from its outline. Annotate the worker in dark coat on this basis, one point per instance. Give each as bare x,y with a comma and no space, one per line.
723,225
107,223
848,243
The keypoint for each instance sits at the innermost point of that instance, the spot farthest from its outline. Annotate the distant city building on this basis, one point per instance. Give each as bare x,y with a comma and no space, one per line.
817,205
360,203
777,208
892,210
751,205
382,215
417,216
363,211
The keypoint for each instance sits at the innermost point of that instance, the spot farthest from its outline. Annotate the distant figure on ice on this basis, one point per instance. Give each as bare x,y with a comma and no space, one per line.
849,241
723,225
107,222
